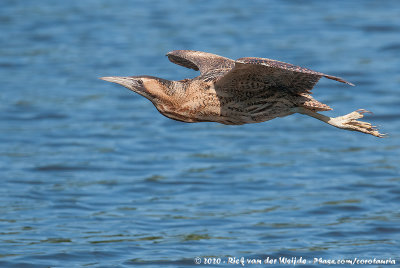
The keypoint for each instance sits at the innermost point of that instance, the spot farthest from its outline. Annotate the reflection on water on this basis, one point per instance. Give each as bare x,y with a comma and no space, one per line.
93,175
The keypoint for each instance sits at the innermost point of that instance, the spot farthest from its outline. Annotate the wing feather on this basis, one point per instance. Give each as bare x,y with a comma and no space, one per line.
272,74
197,60
289,67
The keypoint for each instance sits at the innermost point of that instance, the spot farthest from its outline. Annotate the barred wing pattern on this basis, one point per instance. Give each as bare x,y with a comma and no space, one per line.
200,61
276,74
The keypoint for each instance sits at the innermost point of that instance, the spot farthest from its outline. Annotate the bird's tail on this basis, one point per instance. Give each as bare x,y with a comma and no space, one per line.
309,102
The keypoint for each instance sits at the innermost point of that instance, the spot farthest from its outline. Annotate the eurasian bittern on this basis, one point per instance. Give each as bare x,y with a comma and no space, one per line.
235,92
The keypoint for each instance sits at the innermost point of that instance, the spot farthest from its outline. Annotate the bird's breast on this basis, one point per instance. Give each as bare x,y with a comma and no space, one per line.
205,103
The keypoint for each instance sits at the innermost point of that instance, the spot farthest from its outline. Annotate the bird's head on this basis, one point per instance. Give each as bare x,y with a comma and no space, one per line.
152,88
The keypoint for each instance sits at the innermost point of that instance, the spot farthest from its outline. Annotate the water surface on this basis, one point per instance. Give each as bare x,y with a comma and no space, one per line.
92,175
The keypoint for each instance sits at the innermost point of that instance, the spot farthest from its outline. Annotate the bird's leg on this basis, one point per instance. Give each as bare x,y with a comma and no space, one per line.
348,121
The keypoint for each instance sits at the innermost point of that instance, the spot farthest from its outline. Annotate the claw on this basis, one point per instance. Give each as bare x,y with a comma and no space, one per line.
363,111
350,122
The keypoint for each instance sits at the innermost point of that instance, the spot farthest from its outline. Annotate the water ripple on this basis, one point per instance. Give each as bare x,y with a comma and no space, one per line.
92,175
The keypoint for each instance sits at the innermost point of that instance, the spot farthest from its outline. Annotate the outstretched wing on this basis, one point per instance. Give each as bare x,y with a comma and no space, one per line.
275,74
197,60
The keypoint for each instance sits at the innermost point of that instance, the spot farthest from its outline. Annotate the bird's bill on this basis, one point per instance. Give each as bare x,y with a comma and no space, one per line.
121,80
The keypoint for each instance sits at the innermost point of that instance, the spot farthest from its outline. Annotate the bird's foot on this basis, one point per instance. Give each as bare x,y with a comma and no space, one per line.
350,122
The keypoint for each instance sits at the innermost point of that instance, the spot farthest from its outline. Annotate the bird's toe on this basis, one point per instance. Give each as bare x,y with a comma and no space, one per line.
350,122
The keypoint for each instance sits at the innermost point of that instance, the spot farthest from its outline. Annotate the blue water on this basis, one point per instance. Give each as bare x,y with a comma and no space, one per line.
92,175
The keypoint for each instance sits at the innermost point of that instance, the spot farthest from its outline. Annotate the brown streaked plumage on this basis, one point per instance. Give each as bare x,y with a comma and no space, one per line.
235,92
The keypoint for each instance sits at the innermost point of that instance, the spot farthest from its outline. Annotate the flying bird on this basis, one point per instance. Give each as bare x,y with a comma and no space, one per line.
235,92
